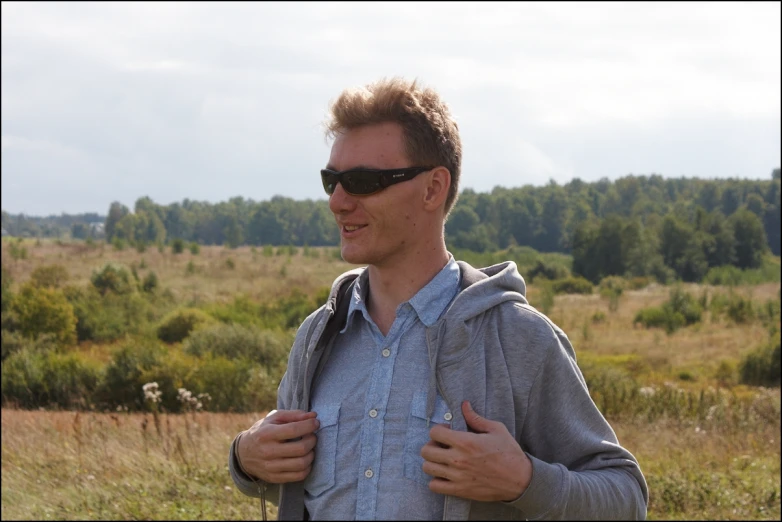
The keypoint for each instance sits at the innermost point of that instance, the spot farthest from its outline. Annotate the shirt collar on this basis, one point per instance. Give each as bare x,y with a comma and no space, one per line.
429,303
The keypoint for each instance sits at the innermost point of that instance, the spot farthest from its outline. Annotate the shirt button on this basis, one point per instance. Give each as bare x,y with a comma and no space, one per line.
386,352
368,473
373,413
448,416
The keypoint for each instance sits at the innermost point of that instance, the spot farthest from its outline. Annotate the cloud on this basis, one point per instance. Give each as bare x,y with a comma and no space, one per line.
105,101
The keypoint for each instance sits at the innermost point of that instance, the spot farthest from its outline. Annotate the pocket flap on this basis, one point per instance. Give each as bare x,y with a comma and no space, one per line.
328,415
418,408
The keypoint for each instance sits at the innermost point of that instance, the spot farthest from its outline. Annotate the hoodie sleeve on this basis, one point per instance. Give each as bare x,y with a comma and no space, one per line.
580,471
285,394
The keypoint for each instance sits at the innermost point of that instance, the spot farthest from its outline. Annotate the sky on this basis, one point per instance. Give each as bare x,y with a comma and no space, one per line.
205,101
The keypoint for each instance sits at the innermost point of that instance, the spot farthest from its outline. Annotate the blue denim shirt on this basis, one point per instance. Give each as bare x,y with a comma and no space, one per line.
371,403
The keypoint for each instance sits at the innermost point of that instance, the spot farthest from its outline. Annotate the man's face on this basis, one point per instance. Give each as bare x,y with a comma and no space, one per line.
378,229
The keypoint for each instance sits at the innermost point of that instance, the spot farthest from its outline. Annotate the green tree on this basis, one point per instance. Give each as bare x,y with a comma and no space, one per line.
116,212
751,241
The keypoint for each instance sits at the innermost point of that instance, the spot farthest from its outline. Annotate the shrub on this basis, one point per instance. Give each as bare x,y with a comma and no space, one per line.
598,317
572,285
190,269
548,270
50,276
112,278
611,285
177,246
684,303
177,325
32,379
762,367
681,309
123,375
44,310
109,317
234,341
637,283
230,264
5,284
118,243
13,342
195,249
150,283
229,383
268,251
659,317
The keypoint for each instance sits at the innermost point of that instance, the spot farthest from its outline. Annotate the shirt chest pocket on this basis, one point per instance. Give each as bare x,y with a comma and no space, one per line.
323,471
418,434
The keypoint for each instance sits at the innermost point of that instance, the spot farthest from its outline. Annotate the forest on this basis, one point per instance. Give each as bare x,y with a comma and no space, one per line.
665,228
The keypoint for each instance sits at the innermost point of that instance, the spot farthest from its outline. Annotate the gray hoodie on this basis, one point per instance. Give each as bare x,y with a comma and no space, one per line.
515,366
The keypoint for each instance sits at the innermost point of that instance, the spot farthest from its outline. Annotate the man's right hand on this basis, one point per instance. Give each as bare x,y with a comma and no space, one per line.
279,447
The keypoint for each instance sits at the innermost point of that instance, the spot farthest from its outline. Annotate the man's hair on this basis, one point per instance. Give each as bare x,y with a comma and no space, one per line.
431,136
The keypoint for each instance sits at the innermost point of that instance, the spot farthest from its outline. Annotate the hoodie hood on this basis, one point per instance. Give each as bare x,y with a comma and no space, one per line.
485,288
480,291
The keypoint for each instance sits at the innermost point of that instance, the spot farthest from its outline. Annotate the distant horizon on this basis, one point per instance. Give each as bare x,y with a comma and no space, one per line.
130,205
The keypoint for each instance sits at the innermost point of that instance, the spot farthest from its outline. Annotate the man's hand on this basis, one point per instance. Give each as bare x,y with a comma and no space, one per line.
488,465
279,447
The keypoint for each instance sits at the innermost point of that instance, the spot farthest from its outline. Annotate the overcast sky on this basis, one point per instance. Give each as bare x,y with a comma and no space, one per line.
207,101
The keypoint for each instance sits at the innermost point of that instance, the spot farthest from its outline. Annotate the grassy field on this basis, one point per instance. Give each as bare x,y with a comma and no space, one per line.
709,447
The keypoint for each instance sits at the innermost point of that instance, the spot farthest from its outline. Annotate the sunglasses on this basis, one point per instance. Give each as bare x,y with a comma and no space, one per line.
362,182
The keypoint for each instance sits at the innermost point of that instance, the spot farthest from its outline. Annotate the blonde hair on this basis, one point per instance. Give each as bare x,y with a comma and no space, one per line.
431,136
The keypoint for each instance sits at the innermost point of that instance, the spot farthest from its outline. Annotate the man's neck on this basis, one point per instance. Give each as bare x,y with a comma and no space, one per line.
389,286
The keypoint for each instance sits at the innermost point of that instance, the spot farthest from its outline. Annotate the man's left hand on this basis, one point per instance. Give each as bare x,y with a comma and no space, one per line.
488,465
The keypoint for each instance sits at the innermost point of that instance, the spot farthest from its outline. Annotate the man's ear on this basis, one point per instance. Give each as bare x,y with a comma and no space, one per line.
438,182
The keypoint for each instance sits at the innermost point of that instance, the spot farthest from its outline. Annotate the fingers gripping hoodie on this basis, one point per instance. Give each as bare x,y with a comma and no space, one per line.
515,366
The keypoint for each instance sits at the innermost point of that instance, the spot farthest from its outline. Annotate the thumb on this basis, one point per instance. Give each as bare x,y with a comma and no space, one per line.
475,421
286,416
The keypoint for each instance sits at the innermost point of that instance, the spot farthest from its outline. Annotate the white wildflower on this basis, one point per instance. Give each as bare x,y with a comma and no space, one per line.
646,391
151,392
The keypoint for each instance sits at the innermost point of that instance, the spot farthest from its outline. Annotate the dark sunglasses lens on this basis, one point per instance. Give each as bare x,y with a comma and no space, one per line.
329,182
360,182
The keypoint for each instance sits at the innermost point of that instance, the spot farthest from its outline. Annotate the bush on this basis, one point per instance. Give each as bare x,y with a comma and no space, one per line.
177,246
659,317
681,309
150,283
5,283
44,310
123,375
572,285
13,342
49,276
637,283
177,325
548,270
762,366
109,317
229,384
234,341
112,278
612,285
195,249
32,379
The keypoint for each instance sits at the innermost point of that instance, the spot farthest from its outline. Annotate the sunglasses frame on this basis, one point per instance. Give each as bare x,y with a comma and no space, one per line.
385,178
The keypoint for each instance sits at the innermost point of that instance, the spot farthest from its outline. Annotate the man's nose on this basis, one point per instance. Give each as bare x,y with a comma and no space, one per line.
340,201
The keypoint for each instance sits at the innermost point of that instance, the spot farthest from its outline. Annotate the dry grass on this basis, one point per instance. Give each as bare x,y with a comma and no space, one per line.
261,277
76,466
108,466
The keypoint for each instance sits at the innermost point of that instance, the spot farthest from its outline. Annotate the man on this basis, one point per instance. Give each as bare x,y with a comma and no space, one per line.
425,388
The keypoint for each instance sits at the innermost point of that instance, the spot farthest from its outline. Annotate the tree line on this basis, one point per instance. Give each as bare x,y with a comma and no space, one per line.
635,225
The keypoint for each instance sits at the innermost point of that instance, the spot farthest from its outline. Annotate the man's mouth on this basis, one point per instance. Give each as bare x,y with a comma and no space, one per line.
352,228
